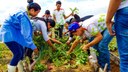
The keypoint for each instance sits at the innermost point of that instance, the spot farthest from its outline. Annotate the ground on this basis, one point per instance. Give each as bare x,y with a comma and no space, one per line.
5,56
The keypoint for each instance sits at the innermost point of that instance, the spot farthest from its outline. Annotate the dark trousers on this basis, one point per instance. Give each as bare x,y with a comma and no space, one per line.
28,52
17,50
60,29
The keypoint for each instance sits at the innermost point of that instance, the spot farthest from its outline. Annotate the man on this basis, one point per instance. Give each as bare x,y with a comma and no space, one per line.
59,17
95,30
120,9
75,19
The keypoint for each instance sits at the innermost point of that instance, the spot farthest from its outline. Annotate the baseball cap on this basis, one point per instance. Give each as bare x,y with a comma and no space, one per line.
73,27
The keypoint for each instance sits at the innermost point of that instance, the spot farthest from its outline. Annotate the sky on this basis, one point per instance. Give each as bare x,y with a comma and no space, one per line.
86,7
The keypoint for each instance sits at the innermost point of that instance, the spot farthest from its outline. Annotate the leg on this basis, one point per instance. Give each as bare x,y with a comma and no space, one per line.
121,29
18,52
104,55
61,31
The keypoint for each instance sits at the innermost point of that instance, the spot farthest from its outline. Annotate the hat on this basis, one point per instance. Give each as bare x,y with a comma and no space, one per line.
73,27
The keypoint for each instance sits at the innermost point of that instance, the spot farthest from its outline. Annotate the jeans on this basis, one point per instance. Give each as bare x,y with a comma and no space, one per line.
17,50
121,29
102,49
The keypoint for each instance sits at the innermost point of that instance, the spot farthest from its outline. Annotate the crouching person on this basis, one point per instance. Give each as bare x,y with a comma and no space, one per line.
40,26
95,30
16,32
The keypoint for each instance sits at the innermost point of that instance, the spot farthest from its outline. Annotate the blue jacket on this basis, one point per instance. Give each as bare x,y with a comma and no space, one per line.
17,27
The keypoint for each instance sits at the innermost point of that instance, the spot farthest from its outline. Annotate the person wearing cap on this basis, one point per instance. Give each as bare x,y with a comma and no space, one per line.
119,9
75,19
59,17
95,30
47,15
16,32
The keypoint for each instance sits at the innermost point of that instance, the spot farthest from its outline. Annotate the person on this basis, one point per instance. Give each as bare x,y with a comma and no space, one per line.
120,9
16,32
47,15
95,30
75,19
59,17
40,26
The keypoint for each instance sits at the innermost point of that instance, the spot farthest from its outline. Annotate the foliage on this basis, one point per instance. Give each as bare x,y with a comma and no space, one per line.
113,45
81,56
60,57
75,10
39,67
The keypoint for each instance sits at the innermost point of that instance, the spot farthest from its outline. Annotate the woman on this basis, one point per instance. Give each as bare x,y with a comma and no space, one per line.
16,32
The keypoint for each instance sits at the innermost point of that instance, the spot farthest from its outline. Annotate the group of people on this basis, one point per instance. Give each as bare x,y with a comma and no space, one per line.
17,31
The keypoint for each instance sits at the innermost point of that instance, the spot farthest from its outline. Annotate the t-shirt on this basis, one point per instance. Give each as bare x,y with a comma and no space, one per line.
94,25
59,15
39,25
123,4
49,17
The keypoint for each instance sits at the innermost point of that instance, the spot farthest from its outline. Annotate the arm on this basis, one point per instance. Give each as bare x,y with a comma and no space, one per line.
44,33
54,18
26,31
94,32
49,42
113,6
96,40
65,17
75,43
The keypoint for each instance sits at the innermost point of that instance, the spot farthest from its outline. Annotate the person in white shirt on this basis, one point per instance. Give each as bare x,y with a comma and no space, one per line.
40,26
59,17
120,9
95,30
47,15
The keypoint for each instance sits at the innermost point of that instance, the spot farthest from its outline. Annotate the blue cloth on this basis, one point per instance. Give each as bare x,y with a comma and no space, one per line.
121,29
73,27
102,49
17,27
17,50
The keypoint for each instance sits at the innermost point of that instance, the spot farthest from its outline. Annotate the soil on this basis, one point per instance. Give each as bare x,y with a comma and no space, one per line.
114,67
6,56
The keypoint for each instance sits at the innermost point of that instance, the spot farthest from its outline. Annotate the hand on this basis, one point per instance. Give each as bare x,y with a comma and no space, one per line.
64,33
56,41
36,51
53,49
68,42
68,52
85,48
72,13
109,26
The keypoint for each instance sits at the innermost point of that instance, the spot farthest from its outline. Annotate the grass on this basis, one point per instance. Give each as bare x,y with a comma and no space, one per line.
5,56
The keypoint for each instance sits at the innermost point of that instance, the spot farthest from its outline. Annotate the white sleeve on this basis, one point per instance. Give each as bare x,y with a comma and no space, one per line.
63,12
70,38
43,29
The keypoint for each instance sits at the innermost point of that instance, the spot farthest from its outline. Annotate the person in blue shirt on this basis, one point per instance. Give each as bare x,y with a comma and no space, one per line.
16,33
